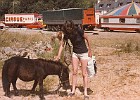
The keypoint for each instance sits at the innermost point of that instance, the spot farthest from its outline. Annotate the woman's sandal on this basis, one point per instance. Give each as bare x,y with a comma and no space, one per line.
71,94
86,97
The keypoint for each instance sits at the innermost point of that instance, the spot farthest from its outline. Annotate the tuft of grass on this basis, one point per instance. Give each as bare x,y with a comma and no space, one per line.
1,64
130,46
137,48
127,48
50,83
124,43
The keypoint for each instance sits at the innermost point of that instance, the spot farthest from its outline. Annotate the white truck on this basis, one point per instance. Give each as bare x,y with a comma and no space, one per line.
21,20
1,25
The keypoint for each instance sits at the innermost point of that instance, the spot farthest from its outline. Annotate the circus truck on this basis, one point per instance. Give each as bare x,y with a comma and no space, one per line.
54,19
126,18
21,20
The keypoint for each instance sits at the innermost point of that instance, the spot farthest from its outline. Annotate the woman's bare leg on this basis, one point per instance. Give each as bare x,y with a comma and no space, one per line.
85,75
75,64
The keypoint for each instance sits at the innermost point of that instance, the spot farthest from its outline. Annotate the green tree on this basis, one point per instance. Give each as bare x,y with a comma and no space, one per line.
38,7
31,6
4,7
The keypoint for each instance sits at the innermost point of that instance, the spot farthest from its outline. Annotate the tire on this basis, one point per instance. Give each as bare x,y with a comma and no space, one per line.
138,31
106,29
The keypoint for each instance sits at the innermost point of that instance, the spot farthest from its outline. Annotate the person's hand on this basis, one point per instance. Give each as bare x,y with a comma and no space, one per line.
89,53
56,58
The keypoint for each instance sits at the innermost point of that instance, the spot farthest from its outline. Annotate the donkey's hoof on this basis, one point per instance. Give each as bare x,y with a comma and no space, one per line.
7,95
16,93
33,91
56,92
42,98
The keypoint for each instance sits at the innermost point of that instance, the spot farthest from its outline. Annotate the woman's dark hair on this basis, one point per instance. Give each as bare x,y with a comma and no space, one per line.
69,29
68,26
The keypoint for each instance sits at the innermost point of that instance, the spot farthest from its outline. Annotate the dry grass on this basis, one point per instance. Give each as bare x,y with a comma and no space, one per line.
118,59
118,42
10,39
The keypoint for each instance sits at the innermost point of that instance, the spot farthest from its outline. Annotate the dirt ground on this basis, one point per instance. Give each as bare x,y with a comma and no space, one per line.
117,78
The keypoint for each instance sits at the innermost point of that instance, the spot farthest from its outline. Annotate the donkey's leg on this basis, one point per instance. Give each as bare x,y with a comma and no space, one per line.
34,86
7,91
41,89
14,86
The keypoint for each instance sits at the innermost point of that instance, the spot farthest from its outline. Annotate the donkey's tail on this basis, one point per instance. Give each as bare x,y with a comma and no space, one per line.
5,81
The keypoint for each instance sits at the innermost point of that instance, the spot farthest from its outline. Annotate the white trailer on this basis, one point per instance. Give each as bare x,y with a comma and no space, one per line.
21,20
110,23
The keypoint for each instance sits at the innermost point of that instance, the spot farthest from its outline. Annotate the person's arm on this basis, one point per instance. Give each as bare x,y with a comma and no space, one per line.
89,44
60,50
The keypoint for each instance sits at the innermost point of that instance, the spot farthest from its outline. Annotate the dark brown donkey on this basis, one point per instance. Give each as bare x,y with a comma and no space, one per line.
32,69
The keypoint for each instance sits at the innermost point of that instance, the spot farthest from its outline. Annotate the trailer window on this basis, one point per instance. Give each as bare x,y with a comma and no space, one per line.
108,5
128,2
106,20
101,5
122,20
138,20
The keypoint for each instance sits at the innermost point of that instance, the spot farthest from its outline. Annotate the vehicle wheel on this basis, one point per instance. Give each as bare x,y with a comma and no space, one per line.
85,28
91,28
106,29
138,31
49,28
